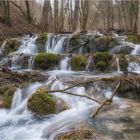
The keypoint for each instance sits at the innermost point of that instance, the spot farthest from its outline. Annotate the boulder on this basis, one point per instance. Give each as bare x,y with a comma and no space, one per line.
102,61
105,43
42,103
125,48
46,61
78,62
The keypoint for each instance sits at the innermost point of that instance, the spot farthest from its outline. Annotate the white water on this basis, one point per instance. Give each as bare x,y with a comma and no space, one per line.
19,103
54,44
118,64
18,123
136,50
134,67
64,64
89,62
31,62
28,45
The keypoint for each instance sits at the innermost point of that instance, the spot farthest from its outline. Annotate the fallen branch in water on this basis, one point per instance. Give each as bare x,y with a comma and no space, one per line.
80,95
107,100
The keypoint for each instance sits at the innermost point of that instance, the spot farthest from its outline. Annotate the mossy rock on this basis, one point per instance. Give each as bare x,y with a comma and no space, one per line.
102,56
11,46
41,41
41,103
45,61
78,62
102,60
101,65
8,95
134,38
105,43
123,62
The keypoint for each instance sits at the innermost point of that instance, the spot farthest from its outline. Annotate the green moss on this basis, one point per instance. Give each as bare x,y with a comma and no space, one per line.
41,103
43,37
101,56
102,60
133,38
46,61
11,46
78,62
8,95
101,65
7,100
123,62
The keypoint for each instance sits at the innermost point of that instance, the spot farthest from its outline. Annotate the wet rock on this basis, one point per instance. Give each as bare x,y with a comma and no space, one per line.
125,48
105,43
45,61
102,61
42,103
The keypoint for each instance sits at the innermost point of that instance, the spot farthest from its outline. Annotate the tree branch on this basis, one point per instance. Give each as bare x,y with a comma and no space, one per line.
107,100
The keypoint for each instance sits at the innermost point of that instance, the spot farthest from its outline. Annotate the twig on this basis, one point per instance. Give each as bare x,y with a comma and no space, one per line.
69,93
107,101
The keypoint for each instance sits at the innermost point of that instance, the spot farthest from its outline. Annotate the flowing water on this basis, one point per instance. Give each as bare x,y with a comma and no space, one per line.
18,123
64,64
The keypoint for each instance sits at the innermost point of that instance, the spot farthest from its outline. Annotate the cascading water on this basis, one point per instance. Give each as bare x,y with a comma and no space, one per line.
64,64
17,99
117,64
59,46
134,67
19,104
136,50
89,63
31,62
19,124
27,47
54,44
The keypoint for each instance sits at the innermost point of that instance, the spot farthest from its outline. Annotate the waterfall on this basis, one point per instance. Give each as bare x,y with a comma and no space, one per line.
28,45
134,67
31,62
59,46
89,63
54,44
136,50
17,98
19,104
118,64
64,64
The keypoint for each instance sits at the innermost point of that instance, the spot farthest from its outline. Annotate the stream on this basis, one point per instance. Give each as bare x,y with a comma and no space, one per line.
117,121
